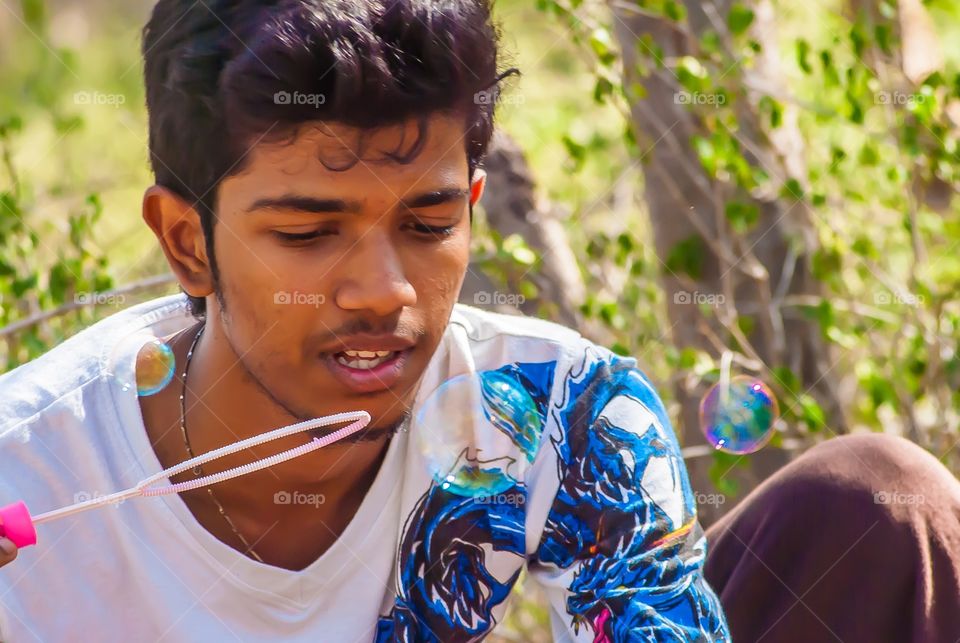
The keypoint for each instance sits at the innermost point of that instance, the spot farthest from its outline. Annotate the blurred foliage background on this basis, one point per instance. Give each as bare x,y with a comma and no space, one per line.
763,186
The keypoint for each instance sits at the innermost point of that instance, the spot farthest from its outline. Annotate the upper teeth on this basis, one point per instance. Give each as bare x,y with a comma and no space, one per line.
363,359
366,354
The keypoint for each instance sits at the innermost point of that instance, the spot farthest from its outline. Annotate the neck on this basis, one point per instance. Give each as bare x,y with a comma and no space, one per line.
225,404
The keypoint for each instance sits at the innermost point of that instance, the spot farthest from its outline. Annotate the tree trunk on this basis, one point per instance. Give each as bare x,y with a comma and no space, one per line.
753,272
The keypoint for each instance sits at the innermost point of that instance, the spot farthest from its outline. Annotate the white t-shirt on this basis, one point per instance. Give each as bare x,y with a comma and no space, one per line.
602,516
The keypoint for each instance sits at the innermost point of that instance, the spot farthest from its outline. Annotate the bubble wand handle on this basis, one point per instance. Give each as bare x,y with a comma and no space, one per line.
17,524
93,503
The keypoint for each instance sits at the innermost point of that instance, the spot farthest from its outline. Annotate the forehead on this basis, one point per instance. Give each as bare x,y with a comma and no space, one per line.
315,157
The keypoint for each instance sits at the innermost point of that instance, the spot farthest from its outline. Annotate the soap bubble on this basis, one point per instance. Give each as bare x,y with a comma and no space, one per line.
142,362
478,433
741,419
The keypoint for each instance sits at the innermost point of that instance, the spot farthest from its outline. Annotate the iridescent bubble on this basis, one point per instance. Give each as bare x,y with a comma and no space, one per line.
511,409
142,362
155,366
740,418
477,433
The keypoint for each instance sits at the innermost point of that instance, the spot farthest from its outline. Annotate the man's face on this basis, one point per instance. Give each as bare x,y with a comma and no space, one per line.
338,284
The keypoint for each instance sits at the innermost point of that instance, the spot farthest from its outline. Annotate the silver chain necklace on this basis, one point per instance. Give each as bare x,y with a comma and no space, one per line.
198,470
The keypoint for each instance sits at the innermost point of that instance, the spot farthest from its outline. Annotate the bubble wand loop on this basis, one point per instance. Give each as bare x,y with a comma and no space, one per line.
17,524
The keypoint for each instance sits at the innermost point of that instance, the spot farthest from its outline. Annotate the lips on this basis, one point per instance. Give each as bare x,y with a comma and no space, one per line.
368,363
367,375
370,343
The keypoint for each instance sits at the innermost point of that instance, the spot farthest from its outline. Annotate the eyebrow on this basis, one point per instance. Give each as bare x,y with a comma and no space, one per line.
316,205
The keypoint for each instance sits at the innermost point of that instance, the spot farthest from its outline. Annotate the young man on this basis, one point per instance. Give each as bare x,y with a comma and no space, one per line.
317,164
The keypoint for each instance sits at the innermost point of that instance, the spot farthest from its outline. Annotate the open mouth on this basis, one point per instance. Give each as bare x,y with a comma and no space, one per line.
365,371
364,360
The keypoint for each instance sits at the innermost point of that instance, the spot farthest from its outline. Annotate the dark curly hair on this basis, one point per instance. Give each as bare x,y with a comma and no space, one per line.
217,74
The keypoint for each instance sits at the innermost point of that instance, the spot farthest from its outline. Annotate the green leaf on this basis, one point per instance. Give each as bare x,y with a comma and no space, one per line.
602,45
869,154
620,349
676,11
602,89
856,112
773,109
688,357
881,33
11,125
787,379
723,465
637,91
577,151
740,18
706,153
858,40
60,280
803,51
812,413
34,14
742,216
519,251
830,76
864,246
21,286
687,257
791,190
826,262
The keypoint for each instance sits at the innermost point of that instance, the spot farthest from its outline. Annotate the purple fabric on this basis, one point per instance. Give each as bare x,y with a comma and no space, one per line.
857,540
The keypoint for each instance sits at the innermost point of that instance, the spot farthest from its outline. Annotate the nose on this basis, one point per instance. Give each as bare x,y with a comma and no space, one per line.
375,278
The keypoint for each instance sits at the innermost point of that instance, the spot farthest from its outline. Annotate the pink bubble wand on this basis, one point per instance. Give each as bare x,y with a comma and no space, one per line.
17,524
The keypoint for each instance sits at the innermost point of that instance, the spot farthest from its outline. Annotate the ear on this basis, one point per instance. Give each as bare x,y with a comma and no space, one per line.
177,227
477,185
